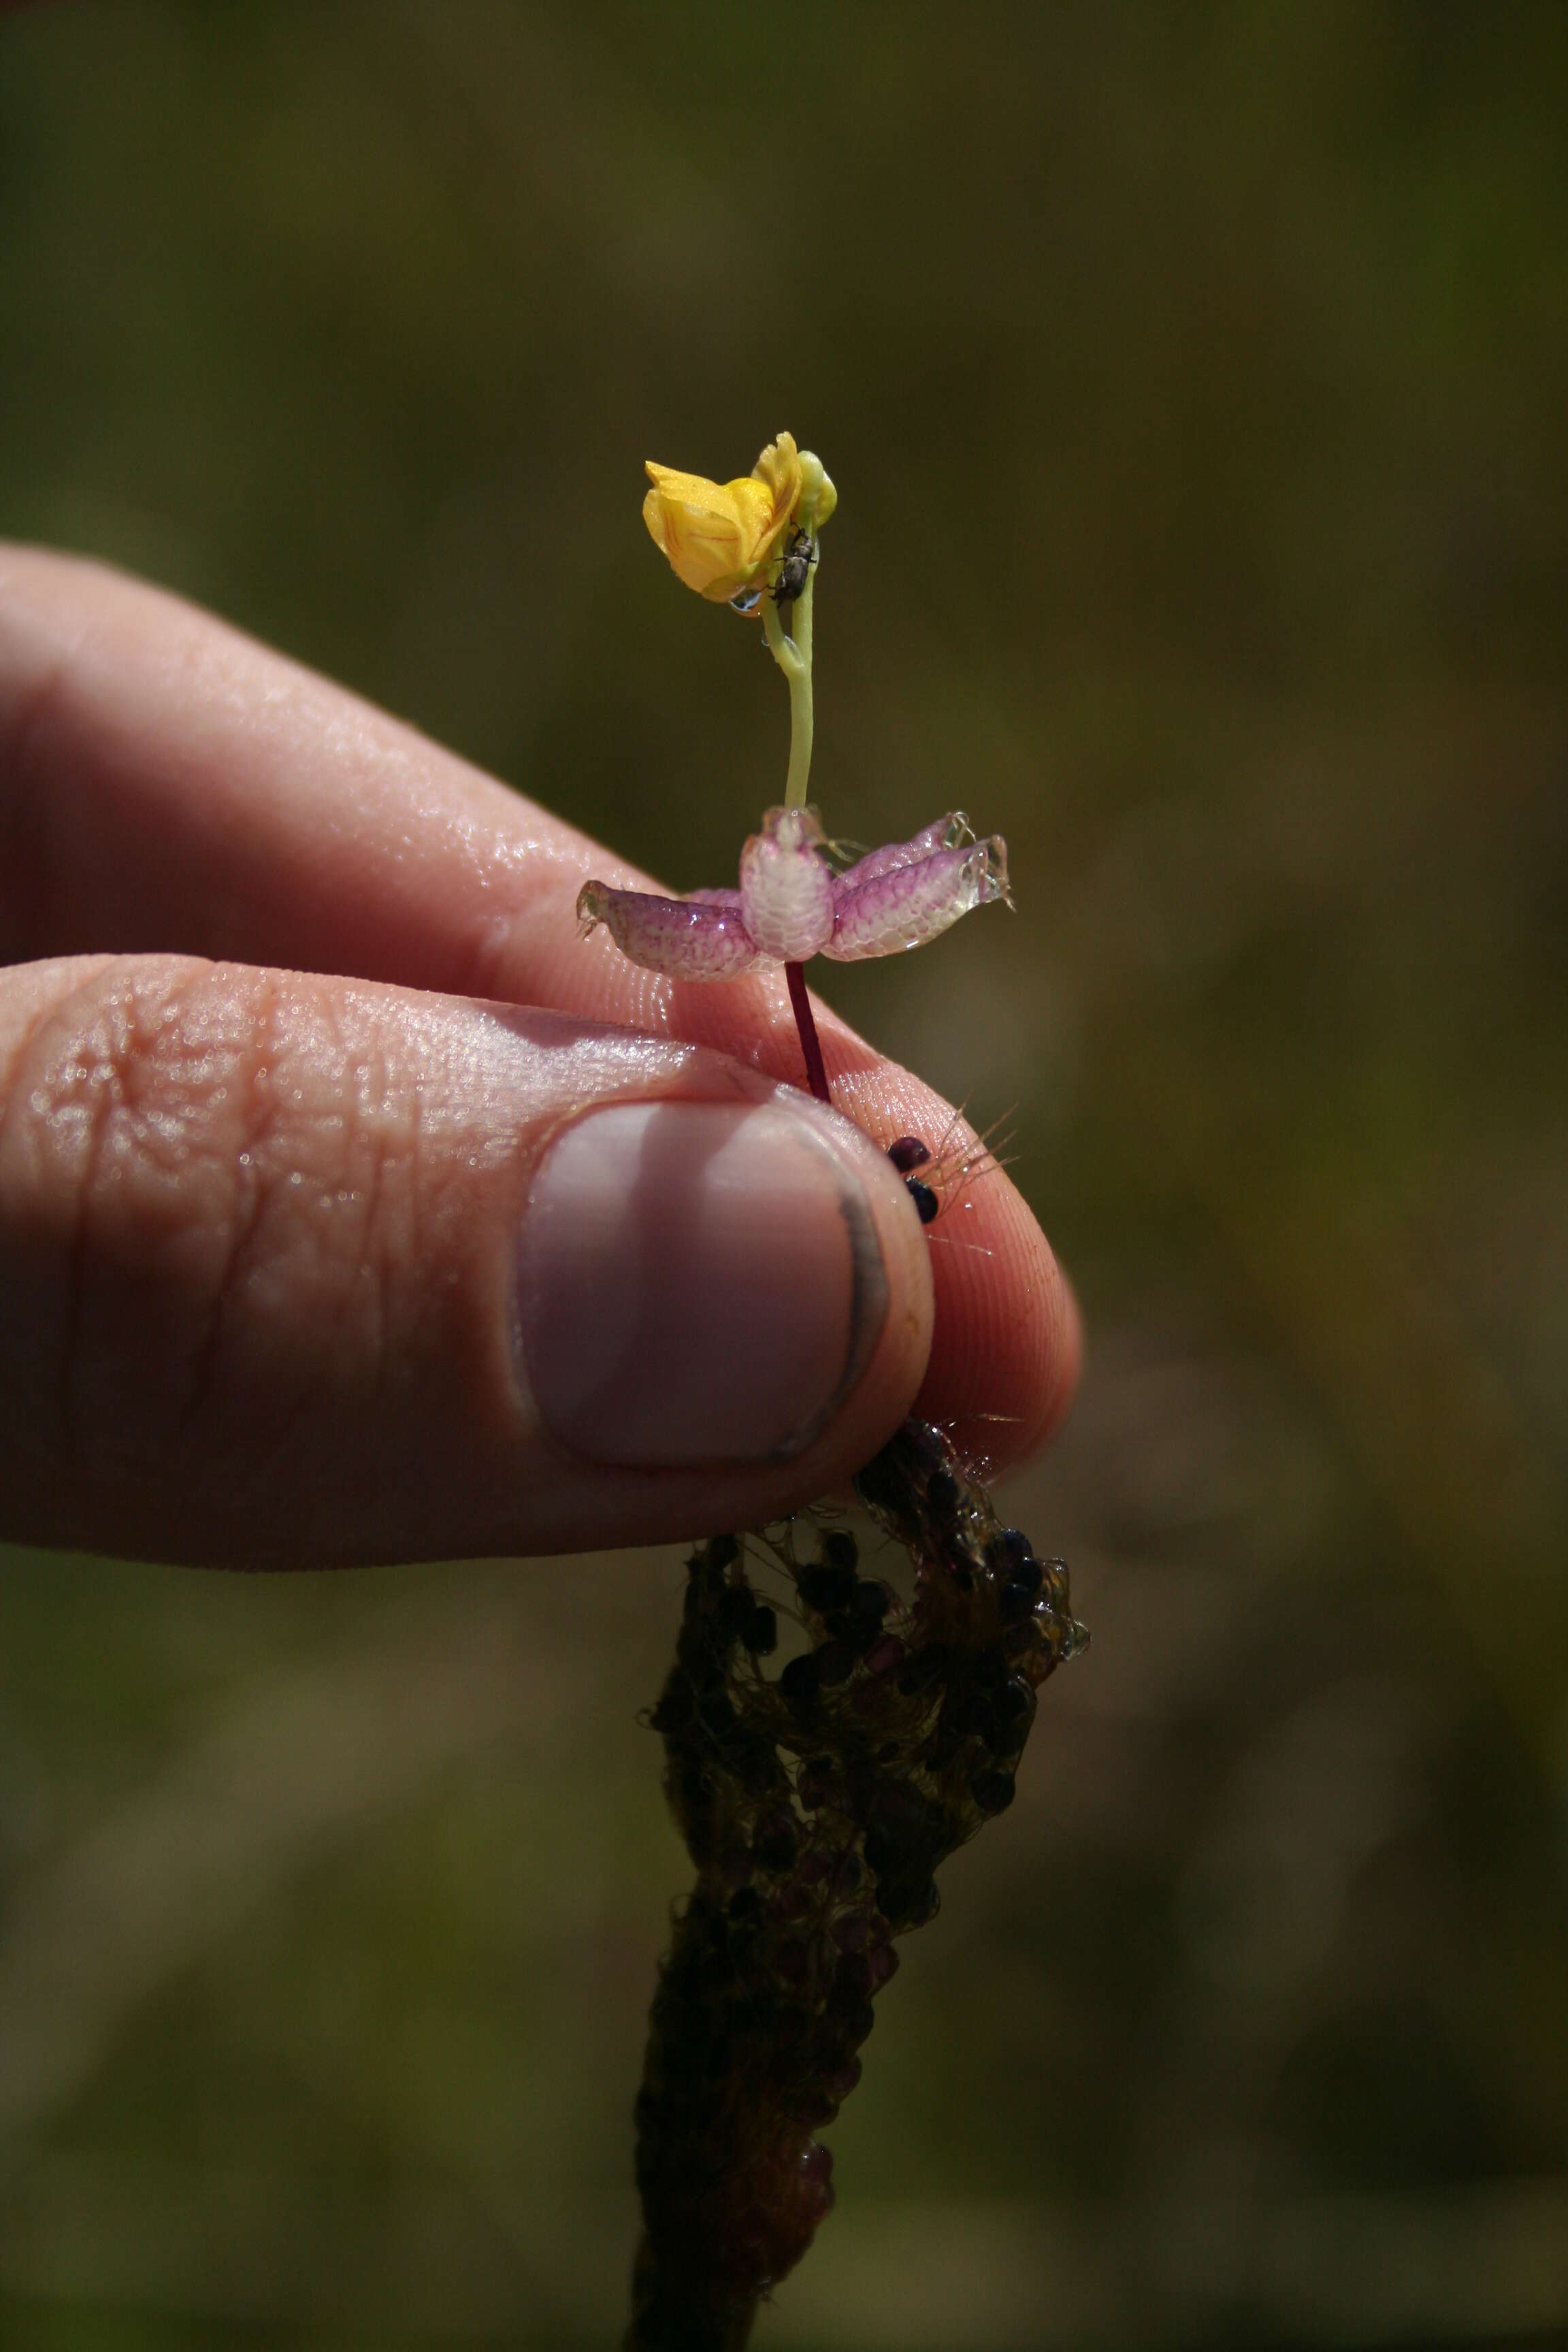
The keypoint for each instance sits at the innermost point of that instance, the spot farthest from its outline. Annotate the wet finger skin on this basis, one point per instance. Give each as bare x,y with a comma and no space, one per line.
167,784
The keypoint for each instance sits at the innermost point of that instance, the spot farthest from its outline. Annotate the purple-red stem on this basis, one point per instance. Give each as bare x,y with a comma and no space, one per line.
810,1043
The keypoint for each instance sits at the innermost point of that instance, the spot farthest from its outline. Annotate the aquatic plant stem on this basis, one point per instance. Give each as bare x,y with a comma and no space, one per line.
810,1043
793,655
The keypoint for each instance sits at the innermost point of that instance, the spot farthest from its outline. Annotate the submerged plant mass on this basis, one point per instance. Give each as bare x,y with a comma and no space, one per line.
817,1804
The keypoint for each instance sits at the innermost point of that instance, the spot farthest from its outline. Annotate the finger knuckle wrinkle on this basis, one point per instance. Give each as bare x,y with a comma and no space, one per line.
227,1183
128,1155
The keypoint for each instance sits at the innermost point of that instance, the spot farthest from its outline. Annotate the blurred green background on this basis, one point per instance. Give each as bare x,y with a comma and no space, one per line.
1195,380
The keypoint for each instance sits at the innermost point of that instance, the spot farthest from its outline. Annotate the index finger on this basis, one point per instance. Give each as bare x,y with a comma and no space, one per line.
166,783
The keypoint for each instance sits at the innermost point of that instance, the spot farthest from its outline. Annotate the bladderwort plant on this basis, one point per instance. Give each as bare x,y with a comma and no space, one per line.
818,1801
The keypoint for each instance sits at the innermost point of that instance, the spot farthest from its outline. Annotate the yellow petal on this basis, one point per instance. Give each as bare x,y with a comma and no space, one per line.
718,536
778,469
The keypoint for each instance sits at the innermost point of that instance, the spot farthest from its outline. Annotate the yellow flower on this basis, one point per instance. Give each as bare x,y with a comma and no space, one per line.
718,536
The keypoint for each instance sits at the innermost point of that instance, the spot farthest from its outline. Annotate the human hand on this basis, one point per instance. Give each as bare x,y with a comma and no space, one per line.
494,1244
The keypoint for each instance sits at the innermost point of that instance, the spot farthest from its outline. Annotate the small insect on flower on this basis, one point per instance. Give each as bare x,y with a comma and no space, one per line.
796,568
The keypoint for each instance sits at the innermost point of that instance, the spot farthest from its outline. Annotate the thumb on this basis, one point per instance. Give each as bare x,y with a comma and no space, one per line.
298,1272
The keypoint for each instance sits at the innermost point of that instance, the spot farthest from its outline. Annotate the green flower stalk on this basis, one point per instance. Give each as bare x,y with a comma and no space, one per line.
794,584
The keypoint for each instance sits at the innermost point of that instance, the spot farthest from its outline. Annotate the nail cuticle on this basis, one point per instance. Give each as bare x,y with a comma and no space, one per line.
867,1300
